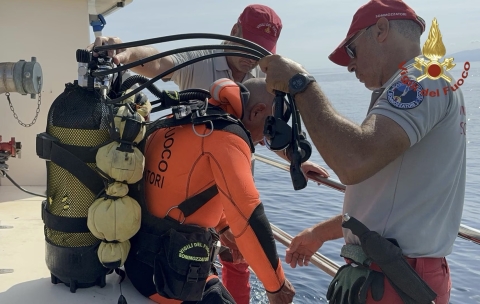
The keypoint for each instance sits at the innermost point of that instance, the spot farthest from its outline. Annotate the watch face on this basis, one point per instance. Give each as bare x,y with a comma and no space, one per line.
298,82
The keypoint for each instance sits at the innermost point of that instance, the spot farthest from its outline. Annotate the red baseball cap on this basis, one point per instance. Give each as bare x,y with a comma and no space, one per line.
369,14
260,24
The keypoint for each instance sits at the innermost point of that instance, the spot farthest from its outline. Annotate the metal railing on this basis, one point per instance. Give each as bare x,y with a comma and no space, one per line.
317,259
464,232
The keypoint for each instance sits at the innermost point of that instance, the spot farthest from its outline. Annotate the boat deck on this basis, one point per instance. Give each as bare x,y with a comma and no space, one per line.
24,276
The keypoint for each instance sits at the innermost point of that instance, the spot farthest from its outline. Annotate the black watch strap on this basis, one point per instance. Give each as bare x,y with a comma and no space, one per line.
299,83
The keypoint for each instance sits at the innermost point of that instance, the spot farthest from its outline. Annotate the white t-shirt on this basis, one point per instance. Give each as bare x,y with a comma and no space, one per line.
203,73
418,198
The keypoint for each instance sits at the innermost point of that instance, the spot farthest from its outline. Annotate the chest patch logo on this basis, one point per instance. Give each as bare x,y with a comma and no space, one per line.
403,96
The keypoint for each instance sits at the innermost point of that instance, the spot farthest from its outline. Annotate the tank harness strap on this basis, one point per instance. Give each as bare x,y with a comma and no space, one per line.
73,159
187,207
192,204
146,244
85,154
63,224
44,143
78,168
49,148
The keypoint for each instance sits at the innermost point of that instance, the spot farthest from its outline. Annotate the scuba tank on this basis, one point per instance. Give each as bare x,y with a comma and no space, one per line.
90,148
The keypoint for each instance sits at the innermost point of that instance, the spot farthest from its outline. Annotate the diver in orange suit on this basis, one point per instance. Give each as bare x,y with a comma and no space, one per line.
182,161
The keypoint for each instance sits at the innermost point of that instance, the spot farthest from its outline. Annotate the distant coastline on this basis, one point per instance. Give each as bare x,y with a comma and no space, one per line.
468,55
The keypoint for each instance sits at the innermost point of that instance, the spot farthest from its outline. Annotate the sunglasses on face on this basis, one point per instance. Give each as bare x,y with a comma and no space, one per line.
351,51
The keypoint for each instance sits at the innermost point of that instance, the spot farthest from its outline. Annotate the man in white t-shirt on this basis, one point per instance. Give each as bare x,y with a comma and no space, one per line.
404,166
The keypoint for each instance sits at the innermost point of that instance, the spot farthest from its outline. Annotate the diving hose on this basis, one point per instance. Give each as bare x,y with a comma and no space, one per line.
139,79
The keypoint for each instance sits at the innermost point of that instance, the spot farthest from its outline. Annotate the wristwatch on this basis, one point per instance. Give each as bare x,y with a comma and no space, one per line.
299,82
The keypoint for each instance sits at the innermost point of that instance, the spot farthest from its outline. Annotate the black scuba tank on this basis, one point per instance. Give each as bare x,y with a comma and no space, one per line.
92,153
90,148
76,124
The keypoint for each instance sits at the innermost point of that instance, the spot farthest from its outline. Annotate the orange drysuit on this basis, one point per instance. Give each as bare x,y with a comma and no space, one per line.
183,161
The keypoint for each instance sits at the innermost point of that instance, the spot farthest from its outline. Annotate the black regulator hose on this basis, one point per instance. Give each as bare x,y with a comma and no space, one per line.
139,79
257,50
186,95
247,48
176,51
182,96
172,98
160,76
183,37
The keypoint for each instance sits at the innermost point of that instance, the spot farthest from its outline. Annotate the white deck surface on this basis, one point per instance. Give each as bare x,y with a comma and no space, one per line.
22,249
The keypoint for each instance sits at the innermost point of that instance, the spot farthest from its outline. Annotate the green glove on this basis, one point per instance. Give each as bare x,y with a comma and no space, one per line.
350,285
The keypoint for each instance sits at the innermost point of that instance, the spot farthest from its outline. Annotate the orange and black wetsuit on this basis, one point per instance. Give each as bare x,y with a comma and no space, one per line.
181,162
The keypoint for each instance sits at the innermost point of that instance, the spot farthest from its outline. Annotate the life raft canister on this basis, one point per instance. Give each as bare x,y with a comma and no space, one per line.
91,153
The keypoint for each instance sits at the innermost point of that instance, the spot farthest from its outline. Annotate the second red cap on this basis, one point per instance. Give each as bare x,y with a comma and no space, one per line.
260,24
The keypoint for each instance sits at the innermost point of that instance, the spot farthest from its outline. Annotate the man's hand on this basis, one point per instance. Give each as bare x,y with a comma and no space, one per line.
283,296
302,247
308,166
228,240
279,70
118,55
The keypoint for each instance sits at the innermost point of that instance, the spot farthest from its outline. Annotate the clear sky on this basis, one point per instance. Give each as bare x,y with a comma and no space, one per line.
311,28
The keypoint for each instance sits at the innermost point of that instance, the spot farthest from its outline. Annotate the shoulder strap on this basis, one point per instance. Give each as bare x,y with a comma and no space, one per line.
228,123
236,128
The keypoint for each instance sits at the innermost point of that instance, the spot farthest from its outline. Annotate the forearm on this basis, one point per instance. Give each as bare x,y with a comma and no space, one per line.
149,69
354,152
340,142
257,245
330,229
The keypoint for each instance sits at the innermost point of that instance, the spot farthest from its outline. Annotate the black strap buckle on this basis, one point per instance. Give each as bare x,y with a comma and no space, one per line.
44,143
193,273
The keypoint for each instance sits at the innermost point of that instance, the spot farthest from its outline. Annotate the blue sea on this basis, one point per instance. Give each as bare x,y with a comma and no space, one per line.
293,211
